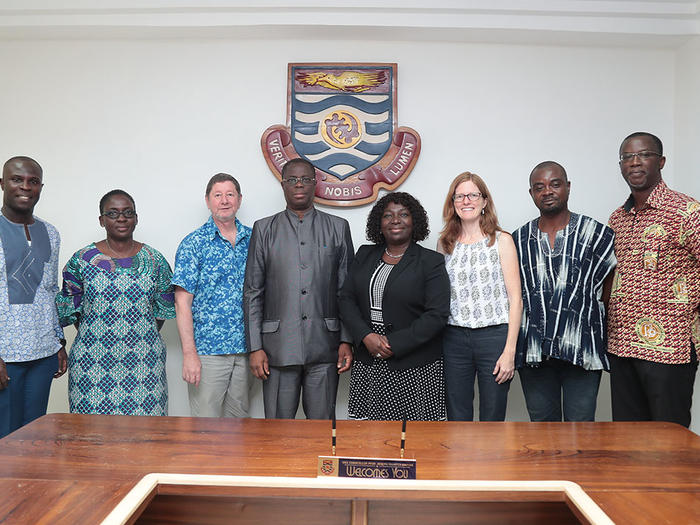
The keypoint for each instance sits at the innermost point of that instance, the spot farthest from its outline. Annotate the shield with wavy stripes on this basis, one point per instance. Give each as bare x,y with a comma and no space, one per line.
342,119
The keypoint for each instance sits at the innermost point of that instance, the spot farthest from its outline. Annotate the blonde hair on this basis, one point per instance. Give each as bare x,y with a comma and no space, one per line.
488,222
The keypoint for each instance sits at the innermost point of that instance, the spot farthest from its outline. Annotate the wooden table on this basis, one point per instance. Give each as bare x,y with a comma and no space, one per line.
66,468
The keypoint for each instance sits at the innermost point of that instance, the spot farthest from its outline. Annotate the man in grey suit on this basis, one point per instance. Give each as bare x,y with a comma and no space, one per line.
297,262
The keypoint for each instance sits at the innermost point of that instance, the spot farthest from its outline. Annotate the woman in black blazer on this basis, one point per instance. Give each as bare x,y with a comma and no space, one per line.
395,302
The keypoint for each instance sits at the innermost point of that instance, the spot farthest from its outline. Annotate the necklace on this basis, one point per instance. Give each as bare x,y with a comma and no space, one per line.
131,247
469,239
386,250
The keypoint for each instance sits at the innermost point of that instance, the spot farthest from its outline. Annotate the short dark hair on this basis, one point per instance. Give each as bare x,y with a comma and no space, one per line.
26,160
222,177
301,161
656,140
420,218
112,193
548,164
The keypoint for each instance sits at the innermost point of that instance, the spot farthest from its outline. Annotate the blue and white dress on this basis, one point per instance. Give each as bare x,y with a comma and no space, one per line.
117,362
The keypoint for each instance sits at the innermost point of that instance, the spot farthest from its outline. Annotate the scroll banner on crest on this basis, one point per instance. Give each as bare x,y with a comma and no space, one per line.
342,119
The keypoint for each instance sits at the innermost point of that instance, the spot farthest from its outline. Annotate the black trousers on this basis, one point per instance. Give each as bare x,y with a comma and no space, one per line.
647,391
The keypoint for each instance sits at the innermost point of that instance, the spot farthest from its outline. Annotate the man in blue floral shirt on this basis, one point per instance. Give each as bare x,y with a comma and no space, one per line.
208,278
32,348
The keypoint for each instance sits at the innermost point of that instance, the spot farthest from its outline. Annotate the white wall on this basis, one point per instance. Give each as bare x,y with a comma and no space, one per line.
687,115
159,117
687,128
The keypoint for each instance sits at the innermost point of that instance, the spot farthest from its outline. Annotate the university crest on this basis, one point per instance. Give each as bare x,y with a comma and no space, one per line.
342,118
327,467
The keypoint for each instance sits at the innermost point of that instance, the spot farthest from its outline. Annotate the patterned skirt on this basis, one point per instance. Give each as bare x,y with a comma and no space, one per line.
380,393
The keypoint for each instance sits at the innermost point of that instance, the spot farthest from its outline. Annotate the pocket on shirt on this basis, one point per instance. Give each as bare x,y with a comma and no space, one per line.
332,324
269,327
328,253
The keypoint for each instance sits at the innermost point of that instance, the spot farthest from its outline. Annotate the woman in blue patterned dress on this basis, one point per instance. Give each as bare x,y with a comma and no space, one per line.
117,292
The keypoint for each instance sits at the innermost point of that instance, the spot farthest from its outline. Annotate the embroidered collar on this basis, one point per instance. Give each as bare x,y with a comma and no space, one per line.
569,229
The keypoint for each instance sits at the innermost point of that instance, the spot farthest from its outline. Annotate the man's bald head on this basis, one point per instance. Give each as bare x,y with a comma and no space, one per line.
28,163
551,165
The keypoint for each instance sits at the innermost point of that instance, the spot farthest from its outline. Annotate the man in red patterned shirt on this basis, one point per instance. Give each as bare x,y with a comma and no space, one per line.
653,308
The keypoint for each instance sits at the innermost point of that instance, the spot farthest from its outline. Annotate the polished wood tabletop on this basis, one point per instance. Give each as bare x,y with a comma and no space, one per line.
68,468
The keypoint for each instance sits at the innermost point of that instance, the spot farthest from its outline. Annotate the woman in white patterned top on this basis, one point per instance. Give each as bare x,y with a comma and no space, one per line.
486,304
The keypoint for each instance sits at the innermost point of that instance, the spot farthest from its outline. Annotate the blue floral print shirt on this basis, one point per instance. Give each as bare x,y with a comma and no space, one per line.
212,270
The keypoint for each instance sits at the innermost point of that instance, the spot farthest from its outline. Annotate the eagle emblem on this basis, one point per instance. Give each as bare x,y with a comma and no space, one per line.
349,81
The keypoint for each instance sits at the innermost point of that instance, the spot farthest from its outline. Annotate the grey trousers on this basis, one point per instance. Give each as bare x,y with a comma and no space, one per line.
317,383
223,388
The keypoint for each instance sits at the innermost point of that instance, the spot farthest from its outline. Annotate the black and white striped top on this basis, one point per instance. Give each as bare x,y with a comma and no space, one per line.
563,315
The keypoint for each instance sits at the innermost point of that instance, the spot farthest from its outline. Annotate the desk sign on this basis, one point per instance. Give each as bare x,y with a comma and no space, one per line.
378,468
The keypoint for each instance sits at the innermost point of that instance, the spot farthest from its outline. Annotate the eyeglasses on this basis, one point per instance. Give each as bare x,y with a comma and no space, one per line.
114,214
306,181
459,197
642,155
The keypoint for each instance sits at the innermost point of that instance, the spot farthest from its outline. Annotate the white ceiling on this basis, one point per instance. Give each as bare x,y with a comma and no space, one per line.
660,23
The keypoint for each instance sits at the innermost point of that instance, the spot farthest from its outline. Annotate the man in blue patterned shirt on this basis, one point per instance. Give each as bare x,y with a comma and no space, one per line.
564,259
32,348
208,278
